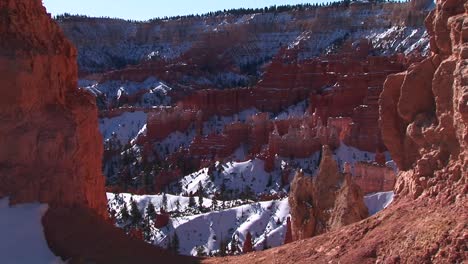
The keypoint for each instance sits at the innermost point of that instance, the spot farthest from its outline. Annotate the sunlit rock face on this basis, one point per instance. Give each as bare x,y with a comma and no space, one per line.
51,147
326,202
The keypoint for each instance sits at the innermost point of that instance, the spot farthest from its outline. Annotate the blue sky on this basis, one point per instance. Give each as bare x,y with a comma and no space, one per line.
146,9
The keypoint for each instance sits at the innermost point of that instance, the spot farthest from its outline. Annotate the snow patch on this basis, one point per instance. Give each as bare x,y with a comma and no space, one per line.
378,201
22,237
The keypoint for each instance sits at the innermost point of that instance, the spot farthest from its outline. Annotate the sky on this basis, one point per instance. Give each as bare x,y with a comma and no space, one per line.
146,9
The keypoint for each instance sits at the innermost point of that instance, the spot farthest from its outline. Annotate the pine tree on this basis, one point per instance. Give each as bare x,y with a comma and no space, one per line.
270,181
164,201
222,247
147,234
191,202
135,213
214,204
150,211
265,241
175,243
200,195
124,215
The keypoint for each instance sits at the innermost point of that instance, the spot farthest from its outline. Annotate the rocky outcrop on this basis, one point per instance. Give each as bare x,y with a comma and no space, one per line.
373,177
51,147
326,202
427,221
423,111
247,247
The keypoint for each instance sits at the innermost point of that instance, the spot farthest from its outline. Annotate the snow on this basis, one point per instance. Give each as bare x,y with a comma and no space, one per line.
208,230
294,111
22,237
125,127
157,91
352,155
236,178
378,201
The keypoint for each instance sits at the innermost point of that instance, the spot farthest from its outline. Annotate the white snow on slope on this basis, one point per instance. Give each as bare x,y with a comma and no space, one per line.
209,229
294,111
235,178
378,201
125,127
22,238
157,91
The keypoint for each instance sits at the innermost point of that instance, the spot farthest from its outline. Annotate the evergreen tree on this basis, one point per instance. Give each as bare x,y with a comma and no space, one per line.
177,205
265,241
222,247
214,204
150,211
175,243
200,195
147,234
135,213
164,201
270,181
124,215
191,202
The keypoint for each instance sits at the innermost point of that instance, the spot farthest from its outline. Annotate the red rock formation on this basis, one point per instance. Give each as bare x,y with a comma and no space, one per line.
327,202
427,221
373,178
288,237
247,247
51,147
162,219
219,102
421,110
168,120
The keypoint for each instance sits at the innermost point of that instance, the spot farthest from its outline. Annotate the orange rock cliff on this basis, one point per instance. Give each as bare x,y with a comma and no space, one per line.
51,148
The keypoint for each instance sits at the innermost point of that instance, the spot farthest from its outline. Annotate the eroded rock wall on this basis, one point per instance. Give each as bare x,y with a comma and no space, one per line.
50,144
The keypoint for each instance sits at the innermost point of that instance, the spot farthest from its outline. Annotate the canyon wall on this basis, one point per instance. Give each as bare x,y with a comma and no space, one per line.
423,111
423,115
51,147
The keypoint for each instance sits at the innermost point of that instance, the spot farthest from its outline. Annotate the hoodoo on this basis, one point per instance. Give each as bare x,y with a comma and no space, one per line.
424,120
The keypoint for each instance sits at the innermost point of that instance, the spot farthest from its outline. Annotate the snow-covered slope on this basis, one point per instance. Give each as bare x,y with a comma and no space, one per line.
22,238
226,222
207,231
156,92
124,127
378,201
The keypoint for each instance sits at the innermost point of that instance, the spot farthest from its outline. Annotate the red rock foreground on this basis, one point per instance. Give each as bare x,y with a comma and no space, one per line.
50,143
424,118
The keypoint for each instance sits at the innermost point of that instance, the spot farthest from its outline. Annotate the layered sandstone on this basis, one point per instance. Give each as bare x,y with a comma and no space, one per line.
51,147
423,115
423,111
326,202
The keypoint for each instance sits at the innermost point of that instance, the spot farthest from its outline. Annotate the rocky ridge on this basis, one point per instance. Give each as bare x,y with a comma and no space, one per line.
427,222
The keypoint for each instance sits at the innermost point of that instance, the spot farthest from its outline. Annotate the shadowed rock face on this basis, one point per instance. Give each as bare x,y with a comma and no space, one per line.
326,202
51,147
